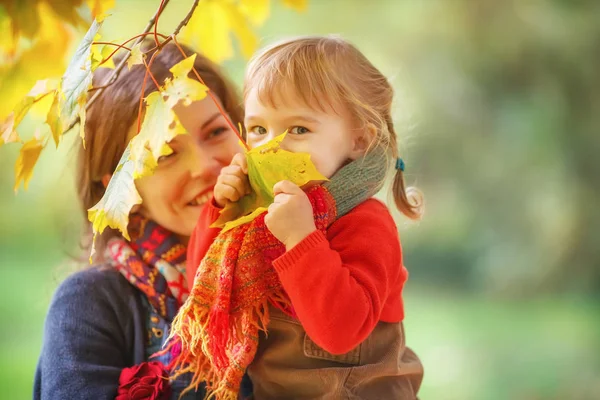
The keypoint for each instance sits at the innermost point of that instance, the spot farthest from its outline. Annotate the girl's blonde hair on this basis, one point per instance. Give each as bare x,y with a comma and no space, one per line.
327,73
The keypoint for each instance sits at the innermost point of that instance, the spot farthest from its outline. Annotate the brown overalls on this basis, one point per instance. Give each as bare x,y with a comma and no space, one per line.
289,365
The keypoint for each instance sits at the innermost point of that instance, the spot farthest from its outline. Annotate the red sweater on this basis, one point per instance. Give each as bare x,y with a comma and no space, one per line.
341,284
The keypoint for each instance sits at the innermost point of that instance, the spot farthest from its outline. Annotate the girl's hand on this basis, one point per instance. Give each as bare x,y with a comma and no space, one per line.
290,218
232,183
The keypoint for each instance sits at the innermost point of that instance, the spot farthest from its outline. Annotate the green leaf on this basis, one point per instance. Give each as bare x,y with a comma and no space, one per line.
267,165
78,78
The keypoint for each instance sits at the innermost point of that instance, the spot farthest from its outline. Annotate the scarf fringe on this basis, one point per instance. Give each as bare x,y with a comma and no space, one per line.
206,342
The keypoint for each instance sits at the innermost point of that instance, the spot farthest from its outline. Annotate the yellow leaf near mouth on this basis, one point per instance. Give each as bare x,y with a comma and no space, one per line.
267,165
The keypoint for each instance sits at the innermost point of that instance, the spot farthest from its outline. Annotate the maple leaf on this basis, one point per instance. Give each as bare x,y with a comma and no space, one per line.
28,156
181,88
136,56
54,122
210,27
100,53
8,134
119,198
43,58
77,80
160,126
39,92
267,165
160,123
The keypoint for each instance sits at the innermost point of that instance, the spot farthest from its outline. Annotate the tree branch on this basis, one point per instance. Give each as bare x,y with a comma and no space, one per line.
183,23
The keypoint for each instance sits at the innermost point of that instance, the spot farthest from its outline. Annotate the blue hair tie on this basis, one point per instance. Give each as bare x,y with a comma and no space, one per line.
400,164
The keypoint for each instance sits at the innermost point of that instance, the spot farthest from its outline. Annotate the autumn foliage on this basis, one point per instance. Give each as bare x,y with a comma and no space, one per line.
61,94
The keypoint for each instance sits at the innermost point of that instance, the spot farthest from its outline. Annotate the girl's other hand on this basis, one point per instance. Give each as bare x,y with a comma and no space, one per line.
232,183
290,218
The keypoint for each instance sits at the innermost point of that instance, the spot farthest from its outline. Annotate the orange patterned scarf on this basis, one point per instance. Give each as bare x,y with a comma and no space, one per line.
218,326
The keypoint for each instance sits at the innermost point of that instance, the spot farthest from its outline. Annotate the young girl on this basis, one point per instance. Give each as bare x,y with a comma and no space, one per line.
321,271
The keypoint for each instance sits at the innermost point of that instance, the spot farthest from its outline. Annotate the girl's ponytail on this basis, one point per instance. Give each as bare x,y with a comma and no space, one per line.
408,200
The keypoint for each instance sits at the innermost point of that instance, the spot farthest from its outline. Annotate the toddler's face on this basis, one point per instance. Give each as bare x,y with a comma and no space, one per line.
327,137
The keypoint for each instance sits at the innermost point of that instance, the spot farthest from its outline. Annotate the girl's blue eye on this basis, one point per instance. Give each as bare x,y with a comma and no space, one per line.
299,130
258,130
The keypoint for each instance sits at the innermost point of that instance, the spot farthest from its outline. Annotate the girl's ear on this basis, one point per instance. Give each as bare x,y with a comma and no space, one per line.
363,139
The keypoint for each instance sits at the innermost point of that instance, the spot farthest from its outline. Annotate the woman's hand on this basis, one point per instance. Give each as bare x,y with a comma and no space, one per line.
290,218
232,183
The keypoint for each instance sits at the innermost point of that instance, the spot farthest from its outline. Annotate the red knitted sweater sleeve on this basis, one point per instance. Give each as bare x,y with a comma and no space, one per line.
343,283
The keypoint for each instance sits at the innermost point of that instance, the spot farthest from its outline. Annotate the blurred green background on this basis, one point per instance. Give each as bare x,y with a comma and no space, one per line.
498,106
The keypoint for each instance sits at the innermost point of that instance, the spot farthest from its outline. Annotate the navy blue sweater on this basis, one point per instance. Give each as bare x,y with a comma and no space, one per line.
97,325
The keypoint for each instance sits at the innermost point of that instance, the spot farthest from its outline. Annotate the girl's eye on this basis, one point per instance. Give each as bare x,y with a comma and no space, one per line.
299,130
258,130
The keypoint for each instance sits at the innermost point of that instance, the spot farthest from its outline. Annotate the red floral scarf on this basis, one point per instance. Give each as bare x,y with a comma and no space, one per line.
154,262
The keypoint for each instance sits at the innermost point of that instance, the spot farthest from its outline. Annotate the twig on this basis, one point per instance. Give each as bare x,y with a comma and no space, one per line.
139,121
160,7
214,99
120,46
183,23
115,74
129,40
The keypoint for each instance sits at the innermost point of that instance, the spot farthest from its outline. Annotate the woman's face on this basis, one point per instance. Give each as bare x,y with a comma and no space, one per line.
183,181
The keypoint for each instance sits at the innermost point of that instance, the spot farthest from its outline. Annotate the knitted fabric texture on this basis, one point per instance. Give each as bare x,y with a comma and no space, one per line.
219,324
154,262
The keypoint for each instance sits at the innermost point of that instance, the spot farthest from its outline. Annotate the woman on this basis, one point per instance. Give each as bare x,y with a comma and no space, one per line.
106,321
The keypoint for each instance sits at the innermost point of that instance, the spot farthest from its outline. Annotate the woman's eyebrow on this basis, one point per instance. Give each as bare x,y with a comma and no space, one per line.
211,119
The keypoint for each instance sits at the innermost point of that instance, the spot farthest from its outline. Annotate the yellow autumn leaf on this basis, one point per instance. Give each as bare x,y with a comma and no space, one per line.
181,88
267,165
136,57
211,26
298,5
54,122
8,44
43,58
119,198
8,134
28,156
24,16
100,53
159,127
99,7
37,95
257,10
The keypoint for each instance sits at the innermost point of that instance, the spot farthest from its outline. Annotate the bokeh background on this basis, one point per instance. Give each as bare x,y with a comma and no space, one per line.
498,106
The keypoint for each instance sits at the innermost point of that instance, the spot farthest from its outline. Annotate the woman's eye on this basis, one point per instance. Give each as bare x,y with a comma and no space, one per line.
217,132
258,130
166,157
299,130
